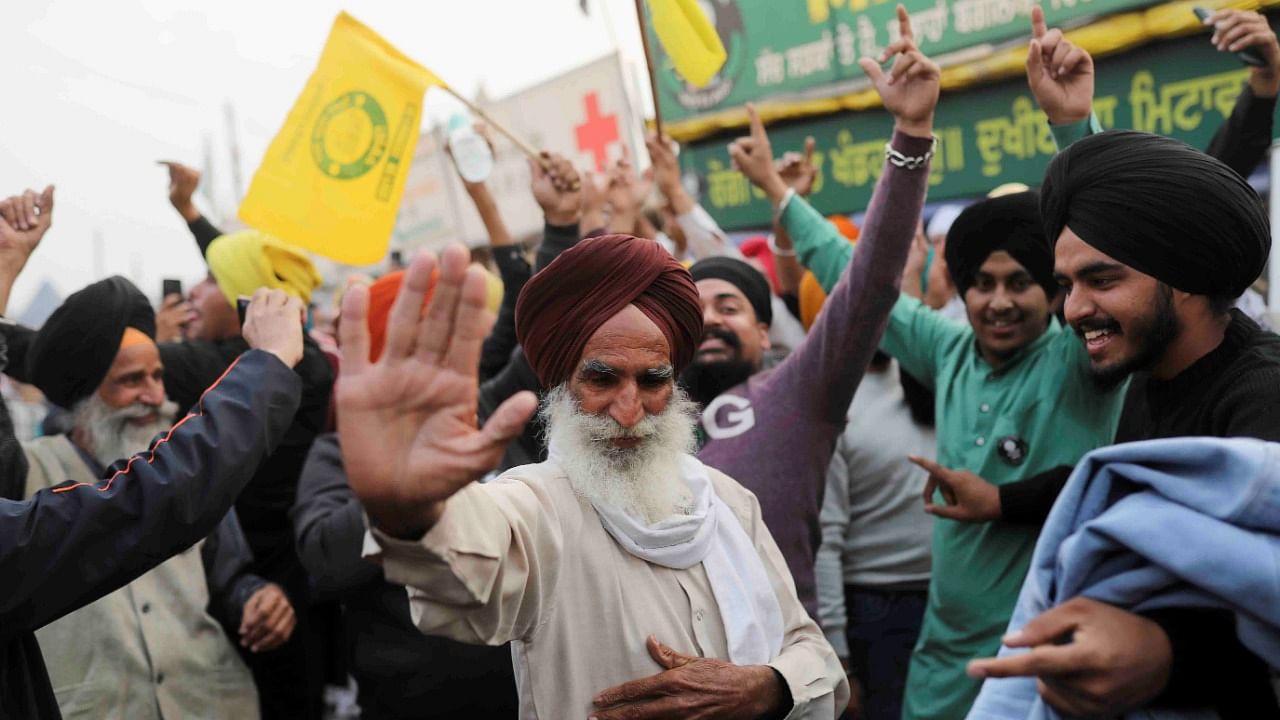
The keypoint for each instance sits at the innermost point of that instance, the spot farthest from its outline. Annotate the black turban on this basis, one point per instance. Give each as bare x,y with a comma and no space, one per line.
563,305
746,278
1160,207
1010,223
71,354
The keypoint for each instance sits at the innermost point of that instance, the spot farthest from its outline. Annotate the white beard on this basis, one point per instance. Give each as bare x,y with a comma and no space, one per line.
109,433
644,481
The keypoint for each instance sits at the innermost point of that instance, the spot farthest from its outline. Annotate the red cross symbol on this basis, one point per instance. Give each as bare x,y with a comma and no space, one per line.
597,132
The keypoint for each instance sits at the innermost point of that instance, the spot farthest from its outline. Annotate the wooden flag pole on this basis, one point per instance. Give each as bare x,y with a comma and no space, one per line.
653,73
525,147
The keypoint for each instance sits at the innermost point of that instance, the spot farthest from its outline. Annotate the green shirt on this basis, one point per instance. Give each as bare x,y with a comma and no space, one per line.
1042,401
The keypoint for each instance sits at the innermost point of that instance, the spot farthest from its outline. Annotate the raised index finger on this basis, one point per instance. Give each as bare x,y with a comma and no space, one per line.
904,24
757,127
1038,27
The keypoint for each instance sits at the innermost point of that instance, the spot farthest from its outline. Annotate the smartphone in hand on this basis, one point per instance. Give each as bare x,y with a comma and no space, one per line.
1248,56
170,286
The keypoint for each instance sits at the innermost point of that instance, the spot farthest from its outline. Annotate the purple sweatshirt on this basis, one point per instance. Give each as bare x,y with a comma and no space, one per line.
775,433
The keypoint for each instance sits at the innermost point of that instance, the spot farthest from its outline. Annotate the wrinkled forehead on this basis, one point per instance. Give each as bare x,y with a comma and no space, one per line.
628,341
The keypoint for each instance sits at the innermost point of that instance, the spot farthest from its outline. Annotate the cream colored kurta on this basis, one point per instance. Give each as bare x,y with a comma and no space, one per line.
525,559
147,651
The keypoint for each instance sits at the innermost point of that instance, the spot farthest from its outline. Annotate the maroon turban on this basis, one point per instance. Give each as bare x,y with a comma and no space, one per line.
562,306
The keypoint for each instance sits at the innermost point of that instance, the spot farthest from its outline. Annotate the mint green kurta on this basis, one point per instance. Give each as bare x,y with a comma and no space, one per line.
1043,396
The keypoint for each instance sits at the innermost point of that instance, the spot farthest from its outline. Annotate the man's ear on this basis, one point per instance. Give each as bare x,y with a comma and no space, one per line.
765,344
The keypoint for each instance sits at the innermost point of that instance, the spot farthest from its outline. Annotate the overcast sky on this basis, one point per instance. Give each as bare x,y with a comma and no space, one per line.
96,92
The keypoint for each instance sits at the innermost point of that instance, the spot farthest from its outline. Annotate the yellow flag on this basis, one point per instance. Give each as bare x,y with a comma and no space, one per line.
689,39
332,178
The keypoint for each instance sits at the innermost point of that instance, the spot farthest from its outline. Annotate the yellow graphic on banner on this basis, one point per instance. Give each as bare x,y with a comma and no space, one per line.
332,178
689,39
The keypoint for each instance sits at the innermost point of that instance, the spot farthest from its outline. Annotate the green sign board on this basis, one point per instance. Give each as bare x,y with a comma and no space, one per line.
987,136
791,49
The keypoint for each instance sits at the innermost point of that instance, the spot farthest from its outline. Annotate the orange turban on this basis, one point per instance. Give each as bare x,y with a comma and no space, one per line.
562,306
382,295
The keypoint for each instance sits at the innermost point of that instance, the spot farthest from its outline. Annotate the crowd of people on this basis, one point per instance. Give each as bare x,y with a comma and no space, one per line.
920,468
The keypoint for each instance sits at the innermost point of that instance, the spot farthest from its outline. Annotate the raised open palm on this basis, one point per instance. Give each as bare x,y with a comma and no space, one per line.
407,423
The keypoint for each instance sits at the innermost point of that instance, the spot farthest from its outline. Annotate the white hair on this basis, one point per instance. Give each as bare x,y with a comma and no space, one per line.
643,481
109,432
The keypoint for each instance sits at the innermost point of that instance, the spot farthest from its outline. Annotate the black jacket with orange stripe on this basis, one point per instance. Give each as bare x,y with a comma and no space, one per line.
71,544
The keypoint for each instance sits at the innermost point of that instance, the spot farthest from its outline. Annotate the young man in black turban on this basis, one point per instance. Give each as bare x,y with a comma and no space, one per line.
1154,243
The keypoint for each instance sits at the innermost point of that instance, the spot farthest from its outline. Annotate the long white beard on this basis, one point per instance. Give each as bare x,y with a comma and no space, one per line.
109,432
644,481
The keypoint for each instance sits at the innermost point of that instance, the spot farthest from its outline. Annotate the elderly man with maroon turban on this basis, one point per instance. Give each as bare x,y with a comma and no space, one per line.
631,579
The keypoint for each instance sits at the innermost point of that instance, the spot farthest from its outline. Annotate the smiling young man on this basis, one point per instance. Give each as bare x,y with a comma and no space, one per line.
1151,280
1014,400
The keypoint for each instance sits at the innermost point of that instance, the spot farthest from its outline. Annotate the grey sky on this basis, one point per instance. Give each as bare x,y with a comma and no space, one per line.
98,91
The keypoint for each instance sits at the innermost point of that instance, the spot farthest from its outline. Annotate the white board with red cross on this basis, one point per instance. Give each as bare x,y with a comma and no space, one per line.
583,114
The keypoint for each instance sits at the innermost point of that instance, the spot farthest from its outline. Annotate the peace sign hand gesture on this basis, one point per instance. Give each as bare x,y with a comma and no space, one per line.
1060,73
910,89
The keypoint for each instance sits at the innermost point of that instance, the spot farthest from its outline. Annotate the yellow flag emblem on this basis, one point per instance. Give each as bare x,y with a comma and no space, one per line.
332,178
689,39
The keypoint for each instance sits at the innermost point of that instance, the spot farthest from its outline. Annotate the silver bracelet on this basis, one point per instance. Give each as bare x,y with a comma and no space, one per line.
773,247
909,162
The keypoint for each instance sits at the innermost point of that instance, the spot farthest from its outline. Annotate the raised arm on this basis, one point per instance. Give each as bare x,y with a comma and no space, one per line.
820,377
800,173
183,181
1242,141
73,543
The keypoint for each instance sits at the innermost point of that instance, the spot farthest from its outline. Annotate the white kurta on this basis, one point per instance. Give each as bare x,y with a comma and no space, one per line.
525,559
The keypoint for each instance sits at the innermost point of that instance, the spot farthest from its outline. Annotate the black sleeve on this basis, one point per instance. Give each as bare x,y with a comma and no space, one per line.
17,340
227,557
792,301
190,367
1211,667
501,341
1242,141
204,232
328,523
518,375
71,544
1029,501
13,461
555,240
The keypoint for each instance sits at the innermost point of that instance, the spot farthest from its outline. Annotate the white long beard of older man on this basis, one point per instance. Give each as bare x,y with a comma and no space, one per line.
110,432
643,481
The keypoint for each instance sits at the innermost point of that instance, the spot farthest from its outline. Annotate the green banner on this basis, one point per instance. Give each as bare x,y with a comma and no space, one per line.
988,136
792,49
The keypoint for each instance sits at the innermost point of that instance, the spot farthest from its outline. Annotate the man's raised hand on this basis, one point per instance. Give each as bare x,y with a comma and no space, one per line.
183,181
1060,73
24,219
798,170
910,88
753,156
407,423
557,188
273,323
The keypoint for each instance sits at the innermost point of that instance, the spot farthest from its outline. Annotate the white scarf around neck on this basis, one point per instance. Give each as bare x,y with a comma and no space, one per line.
712,535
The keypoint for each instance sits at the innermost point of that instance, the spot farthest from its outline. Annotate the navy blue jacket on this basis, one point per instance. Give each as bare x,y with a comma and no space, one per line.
70,545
